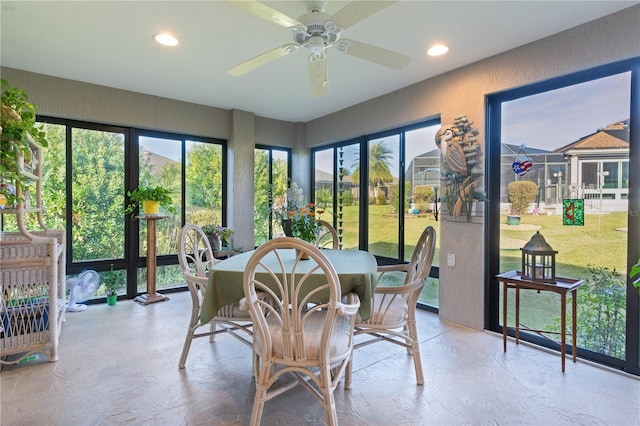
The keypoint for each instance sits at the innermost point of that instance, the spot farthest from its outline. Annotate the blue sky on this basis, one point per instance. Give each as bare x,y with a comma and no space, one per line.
553,119
546,121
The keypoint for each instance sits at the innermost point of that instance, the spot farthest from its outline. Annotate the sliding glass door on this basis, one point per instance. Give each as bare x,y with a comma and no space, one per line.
574,137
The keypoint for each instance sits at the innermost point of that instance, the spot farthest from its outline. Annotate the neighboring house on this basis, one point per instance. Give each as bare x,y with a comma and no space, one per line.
595,167
324,180
424,169
599,167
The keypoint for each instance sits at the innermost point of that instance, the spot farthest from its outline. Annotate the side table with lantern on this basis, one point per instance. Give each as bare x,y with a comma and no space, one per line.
538,273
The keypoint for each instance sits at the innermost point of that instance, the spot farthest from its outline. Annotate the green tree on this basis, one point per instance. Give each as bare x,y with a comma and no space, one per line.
265,193
98,194
380,156
54,176
204,176
261,196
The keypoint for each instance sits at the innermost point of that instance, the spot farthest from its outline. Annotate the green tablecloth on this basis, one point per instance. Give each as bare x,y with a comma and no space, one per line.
356,269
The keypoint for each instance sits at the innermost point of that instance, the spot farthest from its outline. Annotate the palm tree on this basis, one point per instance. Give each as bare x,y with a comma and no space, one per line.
380,156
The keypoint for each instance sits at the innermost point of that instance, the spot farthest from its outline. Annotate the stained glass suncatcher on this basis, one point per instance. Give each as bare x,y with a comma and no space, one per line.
573,212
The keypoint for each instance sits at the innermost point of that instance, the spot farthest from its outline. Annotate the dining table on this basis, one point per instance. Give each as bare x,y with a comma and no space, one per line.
356,269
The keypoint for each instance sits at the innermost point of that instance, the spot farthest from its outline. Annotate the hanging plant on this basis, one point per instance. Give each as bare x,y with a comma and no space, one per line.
19,130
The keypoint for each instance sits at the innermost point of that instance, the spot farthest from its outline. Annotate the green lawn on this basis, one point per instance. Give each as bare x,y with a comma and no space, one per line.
602,241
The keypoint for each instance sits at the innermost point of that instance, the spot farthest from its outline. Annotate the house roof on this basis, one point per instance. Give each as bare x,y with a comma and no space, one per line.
612,136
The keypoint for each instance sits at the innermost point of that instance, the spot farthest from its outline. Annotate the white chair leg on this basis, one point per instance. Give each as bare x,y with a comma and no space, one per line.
329,400
415,349
185,347
347,374
262,380
212,328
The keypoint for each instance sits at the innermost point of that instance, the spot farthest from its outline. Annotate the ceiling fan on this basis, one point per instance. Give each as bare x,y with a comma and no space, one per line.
316,31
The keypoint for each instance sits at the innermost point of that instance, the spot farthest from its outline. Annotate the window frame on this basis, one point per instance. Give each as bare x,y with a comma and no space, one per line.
492,221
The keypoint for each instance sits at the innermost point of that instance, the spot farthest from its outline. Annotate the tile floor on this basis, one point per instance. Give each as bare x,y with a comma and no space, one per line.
119,366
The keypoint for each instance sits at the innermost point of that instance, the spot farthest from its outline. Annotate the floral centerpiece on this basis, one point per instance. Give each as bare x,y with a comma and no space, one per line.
304,224
298,218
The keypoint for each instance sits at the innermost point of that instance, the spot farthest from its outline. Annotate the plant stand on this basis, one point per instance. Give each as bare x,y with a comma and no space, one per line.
151,296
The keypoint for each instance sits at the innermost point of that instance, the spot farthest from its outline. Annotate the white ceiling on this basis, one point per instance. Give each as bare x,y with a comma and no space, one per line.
110,43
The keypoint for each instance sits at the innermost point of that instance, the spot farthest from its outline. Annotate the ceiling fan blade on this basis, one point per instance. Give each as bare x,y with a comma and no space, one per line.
374,54
357,11
265,12
262,59
318,76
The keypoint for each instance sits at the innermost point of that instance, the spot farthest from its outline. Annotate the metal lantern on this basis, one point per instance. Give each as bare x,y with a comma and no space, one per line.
538,260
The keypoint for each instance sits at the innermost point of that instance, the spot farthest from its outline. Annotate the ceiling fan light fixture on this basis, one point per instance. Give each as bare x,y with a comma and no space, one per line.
165,39
437,50
315,45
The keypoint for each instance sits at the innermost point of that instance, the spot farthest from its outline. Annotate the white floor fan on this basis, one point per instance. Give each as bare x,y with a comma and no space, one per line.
80,288
316,31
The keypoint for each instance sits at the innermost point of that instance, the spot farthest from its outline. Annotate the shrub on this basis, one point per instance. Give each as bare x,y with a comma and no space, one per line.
347,198
422,194
601,312
521,194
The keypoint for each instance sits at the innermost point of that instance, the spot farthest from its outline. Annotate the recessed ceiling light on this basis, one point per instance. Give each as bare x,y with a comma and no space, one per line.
166,39
437,50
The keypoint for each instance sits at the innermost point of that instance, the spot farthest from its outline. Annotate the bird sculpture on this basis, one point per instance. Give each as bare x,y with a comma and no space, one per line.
451,151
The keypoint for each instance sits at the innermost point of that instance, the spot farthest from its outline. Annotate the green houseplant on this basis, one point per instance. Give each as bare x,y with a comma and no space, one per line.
19,130
218,235
113,281
150,198
304,224
211,231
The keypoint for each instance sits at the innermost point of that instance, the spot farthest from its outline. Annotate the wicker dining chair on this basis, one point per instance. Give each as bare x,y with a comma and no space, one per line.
393,309
304,330
327,236
196,258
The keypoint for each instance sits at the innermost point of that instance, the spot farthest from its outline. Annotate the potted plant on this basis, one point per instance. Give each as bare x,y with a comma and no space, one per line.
113,281
286,205
19,131
304,224
521,194
225,235
151,198
218,235
211,231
